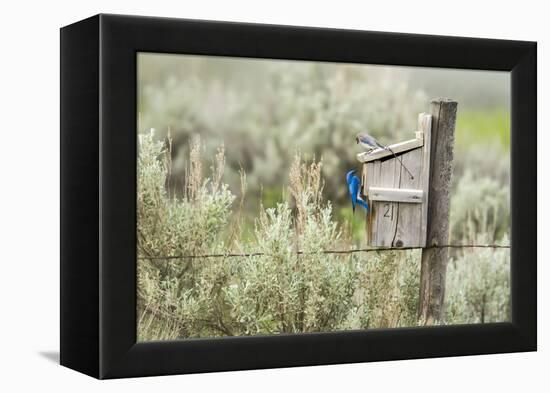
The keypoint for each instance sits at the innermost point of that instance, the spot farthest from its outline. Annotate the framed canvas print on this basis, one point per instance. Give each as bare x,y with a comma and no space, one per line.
239,196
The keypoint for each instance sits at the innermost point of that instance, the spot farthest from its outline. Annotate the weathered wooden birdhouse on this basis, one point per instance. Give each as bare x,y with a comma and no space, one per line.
398,204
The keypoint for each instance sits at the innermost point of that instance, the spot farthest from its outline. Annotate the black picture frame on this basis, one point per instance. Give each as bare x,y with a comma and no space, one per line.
98,195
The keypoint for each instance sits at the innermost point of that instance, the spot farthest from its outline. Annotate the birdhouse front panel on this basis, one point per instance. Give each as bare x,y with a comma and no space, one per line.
395,183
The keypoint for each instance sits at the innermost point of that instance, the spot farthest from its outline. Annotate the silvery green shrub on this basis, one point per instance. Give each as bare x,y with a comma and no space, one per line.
269,287
307,106
478,287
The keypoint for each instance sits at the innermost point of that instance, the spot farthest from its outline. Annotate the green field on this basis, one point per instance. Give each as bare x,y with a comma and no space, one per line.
490,127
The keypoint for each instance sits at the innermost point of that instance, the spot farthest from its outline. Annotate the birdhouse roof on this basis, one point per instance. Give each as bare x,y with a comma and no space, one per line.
397,148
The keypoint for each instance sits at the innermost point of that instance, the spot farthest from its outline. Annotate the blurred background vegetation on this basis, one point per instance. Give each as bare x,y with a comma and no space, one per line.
264,112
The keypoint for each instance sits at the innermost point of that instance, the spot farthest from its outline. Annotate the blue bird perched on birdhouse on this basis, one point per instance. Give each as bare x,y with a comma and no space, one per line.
354,184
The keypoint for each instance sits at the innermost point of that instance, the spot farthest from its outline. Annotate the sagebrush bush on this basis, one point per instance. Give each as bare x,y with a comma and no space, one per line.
478,287
478,280
311,105
175,291
479,210
280,279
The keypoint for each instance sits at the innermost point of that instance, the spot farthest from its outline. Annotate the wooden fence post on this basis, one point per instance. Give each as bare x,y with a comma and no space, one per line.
434,260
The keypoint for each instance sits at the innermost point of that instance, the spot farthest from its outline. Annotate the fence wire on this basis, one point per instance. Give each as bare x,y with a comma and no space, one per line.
351,251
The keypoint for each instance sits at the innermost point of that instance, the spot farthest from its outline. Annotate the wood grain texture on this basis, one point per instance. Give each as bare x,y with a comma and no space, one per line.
434,260
397,217
425,126
396,195
387,215
380,153
387,174
409,216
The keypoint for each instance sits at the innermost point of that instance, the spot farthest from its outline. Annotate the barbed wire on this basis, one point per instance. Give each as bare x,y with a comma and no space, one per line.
351,251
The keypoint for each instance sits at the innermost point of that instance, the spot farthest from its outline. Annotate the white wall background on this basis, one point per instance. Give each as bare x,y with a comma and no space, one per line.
29,194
